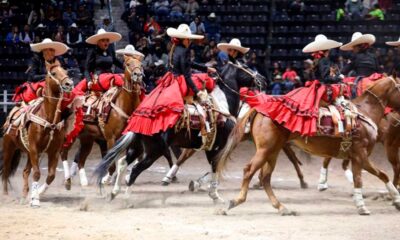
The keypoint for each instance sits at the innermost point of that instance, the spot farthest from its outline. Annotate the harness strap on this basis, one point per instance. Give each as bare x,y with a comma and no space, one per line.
119,110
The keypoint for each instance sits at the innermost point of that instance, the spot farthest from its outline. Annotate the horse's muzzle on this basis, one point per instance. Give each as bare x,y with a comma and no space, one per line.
67,85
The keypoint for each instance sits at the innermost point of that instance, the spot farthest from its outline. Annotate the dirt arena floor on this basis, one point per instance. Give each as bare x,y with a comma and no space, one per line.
156,212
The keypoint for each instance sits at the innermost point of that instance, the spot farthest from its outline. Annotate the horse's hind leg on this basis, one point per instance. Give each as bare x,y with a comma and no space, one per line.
323,175
295,161
81,156
356,165
8,154
394,193
392,152
35,198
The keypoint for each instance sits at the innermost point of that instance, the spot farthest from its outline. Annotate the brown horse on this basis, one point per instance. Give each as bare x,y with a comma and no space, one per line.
388,134
126,100
43,133
270,137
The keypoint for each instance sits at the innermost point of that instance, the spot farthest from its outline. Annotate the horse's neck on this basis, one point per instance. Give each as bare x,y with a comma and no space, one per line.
128,101
370,105
50,103
231,97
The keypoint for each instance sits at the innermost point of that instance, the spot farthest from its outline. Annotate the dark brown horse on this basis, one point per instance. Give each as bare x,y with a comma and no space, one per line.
44,133
126,100
270,137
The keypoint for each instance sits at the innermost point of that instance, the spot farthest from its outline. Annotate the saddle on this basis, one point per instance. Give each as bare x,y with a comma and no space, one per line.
97,107
202,118
340,121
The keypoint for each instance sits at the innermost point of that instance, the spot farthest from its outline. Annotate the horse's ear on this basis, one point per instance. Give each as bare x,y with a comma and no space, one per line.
126,58
49,66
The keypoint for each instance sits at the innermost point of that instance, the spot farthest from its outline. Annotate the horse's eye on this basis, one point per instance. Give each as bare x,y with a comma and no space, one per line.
128,65
53,73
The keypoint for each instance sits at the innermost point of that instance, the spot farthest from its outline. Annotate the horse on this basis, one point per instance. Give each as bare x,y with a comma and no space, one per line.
270,137
43,132
389,130
105,132
231,78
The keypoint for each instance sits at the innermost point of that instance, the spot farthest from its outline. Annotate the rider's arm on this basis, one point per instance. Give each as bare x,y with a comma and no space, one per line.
35,74
185,68
90,64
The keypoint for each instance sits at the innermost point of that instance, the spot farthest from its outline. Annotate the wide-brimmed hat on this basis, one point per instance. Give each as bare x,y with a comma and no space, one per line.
309,61
321,43
130,50
212,15
59,47
159,62
394,43
102,34
40,25
233,44
183,31
358,38
74,25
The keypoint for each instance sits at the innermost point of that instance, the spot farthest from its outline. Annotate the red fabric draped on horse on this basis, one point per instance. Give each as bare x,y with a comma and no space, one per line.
162,108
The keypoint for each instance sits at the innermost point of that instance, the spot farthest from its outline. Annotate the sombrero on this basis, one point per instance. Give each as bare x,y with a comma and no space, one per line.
102,34
233,44
394,43
183,31
131,51
59,48
358,38
321,43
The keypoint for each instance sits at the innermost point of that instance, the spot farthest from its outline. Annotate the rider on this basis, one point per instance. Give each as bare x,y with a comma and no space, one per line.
235,51
45,51
363,62
162,108
99,62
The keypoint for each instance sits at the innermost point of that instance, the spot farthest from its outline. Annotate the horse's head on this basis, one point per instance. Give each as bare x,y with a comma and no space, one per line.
57,78
393,93
133,70
242,76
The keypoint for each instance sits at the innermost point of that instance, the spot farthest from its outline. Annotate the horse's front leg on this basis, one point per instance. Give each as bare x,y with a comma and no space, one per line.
67,173
34,158
52,166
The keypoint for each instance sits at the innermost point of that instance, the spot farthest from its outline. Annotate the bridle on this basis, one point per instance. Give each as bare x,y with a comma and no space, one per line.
60,83
136,78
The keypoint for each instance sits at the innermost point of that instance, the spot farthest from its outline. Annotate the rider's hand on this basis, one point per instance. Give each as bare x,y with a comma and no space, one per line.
211,70
90,84
203,96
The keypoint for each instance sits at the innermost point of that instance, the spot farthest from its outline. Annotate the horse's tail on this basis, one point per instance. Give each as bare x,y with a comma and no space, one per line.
235,137
8,169
121,145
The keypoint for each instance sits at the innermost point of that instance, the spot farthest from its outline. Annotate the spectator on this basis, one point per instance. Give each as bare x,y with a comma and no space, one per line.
354,9
277,70
69,61
13,36
52,19
74,37
253,63
277,85
69,16
191,8
143,46
296,7
59,36
308,70
33,19
177,9
197,27
289,78
385,4
375,13
151,26
106,24
389,61
83,17
212,28
27,36
41,32
133,4
159,50
161,7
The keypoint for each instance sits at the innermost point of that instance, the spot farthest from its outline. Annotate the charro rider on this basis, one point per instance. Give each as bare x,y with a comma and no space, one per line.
99,62
363,62
45,51
235,51
163,107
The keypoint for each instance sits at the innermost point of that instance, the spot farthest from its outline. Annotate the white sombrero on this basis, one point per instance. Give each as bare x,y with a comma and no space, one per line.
233,44
321,43
394,43
102,34
358,38
131,51
59,48
183,31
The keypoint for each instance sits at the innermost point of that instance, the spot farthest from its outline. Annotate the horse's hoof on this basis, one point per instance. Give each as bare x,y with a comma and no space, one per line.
35,203
257,186
23,201
231,204
220,211
163,183
68,184
111,196
303,185
218,200
286,212
175,179
322,187
363,211
397,205
194,186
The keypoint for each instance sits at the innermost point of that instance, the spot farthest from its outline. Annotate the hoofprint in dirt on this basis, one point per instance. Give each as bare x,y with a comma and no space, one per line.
153,211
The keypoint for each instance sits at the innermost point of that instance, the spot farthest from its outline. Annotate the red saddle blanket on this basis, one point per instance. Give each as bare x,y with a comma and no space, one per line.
102,85
297,111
